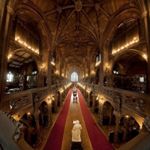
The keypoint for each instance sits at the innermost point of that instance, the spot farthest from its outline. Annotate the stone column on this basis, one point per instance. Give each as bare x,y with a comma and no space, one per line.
118,117
49,79
50,113
100,114
88,98
146,20
5,26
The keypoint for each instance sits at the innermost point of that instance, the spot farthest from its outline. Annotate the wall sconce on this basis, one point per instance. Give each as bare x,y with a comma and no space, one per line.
88,90
16,117
49,100
53,62
144,56
57,72
28,113
62,75
9,56
100,98
107,67
92,72
127,116
43,67
86,75
61,90
97,63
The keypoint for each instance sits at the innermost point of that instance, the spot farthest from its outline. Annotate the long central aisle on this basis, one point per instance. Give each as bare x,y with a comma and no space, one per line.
60,136
75,114
97,138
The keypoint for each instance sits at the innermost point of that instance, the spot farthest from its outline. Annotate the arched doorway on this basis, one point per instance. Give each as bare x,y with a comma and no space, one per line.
44,114
108,117
74,77
22,72
128,128
129,72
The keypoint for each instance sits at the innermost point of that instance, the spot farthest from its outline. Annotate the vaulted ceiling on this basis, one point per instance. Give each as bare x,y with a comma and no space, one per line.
76,28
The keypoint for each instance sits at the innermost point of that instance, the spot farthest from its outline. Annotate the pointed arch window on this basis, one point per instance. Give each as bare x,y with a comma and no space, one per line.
74,77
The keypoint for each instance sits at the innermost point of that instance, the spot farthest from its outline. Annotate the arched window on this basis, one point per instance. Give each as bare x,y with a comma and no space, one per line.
10,77
74,77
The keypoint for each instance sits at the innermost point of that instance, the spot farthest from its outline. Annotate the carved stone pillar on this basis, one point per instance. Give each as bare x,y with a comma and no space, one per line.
49,79
94,103
100,114
5,26
146,20
88,98
118,117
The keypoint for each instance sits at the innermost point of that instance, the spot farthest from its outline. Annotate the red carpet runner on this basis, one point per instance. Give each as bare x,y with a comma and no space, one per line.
98,140
55,138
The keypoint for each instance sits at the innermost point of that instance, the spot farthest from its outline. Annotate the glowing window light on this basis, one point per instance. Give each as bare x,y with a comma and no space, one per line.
74,77
10,77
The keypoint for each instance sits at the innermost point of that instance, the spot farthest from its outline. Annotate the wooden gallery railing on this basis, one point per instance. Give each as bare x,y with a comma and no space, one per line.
123,99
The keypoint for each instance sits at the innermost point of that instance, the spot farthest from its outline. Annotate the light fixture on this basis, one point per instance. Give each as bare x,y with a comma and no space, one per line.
9,56
101,99
107,66
88,90
126,116
26,45
92,72
126,45
144,56
97,63
62,75
16,117
86,75
61,90
115,72
28,113
57,72
43,66
53,61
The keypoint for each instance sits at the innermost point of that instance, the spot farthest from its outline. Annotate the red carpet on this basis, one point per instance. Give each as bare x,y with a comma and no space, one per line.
55,138
98,139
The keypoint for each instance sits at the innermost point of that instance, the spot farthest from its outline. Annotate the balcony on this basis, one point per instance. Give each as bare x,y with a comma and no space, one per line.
123,99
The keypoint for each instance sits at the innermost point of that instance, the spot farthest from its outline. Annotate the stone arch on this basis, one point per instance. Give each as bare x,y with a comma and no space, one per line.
36,15
44,114
116,19
127,74
108,117
129,127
